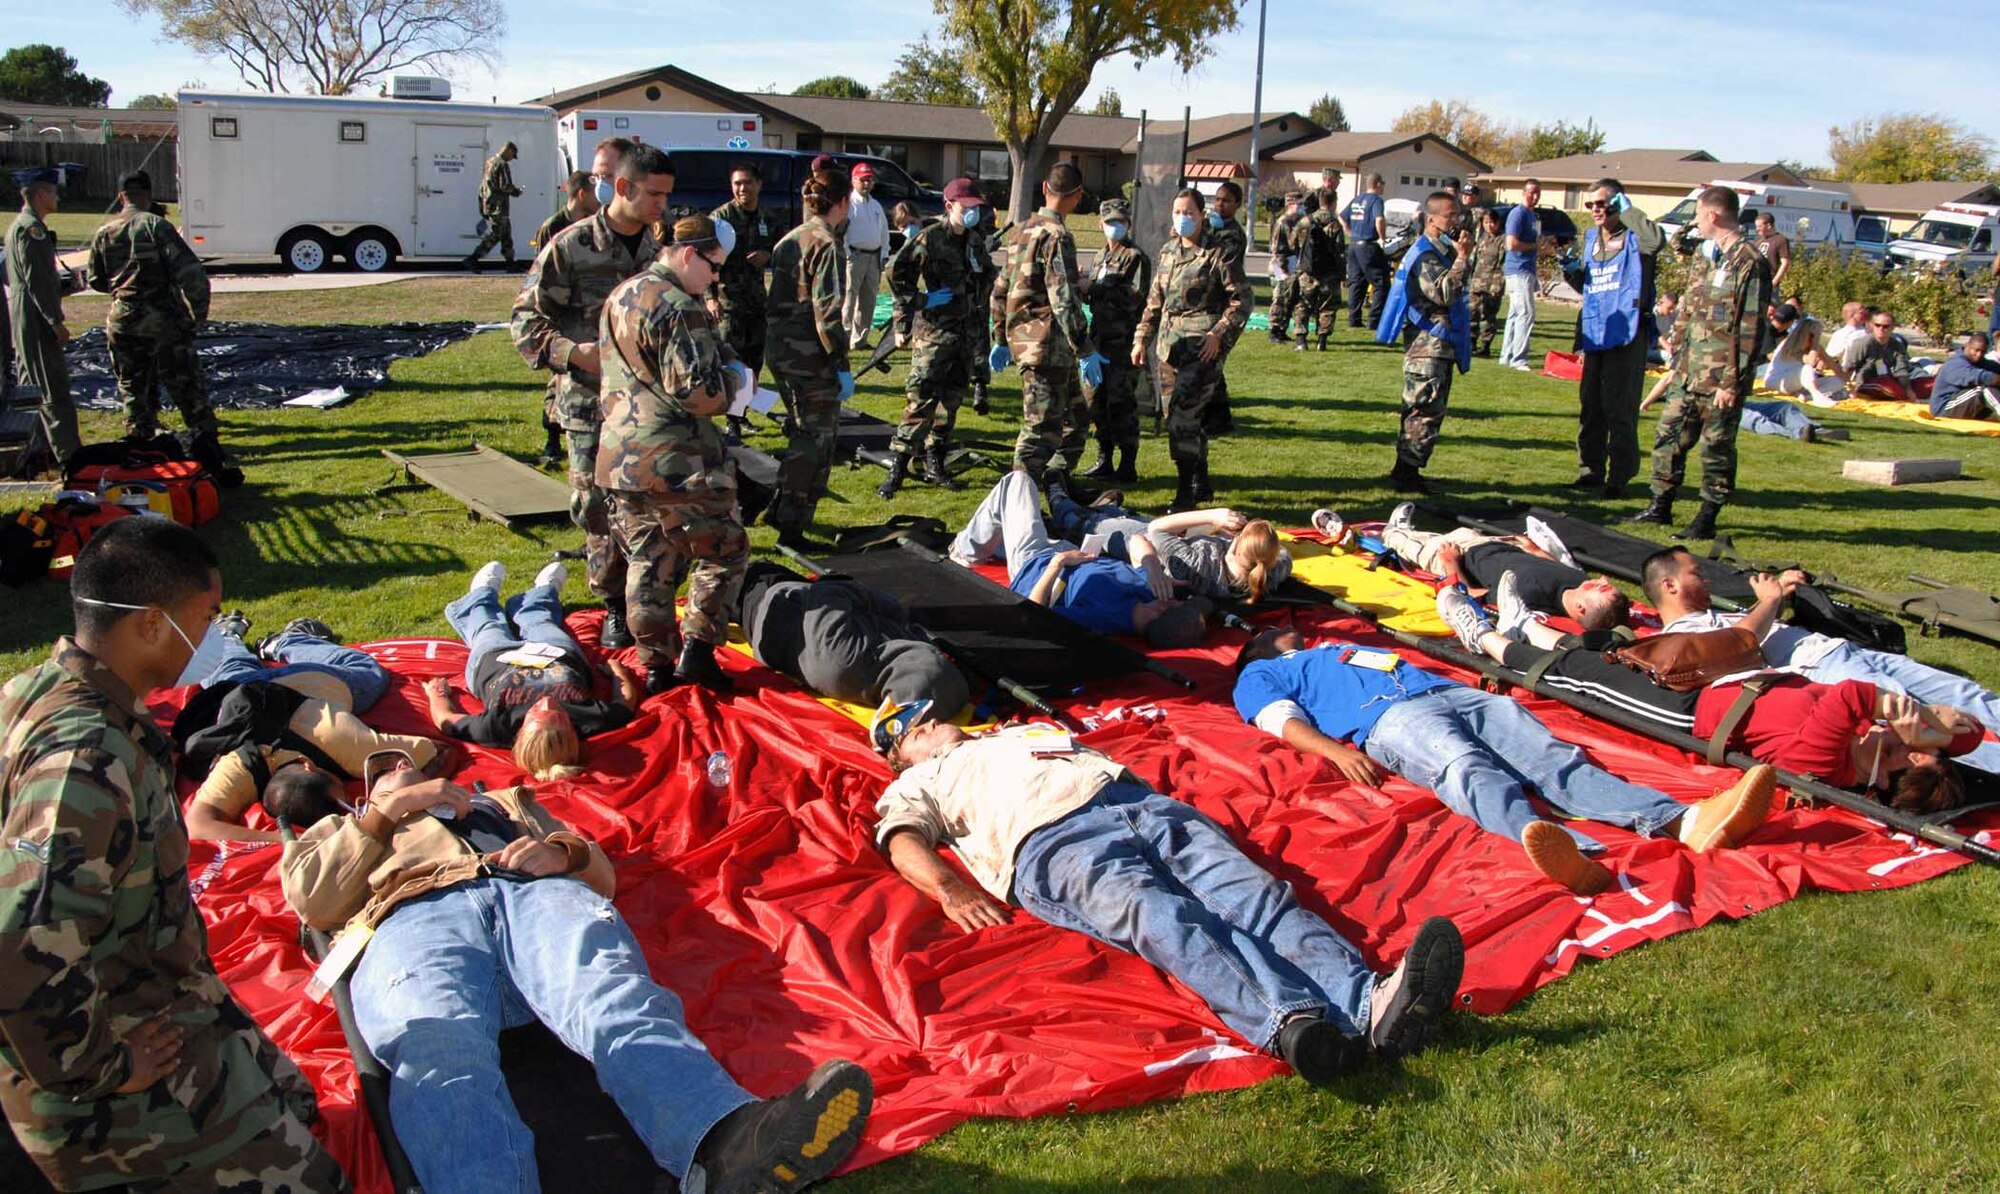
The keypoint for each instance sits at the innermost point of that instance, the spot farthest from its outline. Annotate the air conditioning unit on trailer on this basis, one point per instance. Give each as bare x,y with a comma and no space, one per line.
419,87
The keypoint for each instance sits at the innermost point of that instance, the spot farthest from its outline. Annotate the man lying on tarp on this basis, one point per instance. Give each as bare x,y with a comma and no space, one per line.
1106,595
1551,584
1072,837
477,912
1674,584
1479,752
849,641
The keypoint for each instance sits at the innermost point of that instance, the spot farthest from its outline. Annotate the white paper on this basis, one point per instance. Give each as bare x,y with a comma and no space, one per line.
323,399
1095,543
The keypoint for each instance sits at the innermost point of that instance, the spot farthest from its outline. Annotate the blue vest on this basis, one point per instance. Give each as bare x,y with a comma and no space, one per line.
1610,295
1402,309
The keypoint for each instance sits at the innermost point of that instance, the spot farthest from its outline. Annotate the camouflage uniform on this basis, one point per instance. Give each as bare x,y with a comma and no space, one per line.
984,240
672,489
1489,286
1116,292
1285,292
1323,265
34,301
808,347
159,295
554,224
99,934
559,307
942,340
496,192
1195,290
1430,361
1037,311
1718,330
1234,244
740,291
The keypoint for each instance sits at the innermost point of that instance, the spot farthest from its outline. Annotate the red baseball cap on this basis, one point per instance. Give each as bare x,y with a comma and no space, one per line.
963,192
863,170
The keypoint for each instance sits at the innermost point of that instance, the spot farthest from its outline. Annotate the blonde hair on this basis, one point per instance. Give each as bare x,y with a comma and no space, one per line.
1259,540
549,752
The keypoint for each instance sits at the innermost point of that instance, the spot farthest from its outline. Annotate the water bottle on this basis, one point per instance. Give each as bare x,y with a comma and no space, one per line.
718,770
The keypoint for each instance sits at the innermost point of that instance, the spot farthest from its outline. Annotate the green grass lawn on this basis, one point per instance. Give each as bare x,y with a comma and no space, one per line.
1834,1043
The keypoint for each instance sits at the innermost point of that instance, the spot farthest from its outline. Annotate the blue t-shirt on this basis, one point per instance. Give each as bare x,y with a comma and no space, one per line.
1361,217
1958,375
1097,593
1522,222
1343,699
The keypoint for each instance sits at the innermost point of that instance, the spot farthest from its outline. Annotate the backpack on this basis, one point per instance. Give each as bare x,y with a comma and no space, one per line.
180,489
27,544
1813,610
73,518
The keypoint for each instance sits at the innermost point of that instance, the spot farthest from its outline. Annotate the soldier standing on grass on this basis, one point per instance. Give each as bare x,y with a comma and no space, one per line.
937,312
159,296
1717,335
741,300
1285,264
1116,292
667,374
1322,250
808,349
496,195
1426,305
1489,281
555,327
34,301
1228,236
1039,324
123,1059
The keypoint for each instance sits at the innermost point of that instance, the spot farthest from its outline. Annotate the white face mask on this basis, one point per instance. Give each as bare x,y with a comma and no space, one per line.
203,657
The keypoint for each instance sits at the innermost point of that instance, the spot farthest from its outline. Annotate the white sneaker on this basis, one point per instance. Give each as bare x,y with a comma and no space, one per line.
1514,612
1327,523
1522,366
552,575
1464,616
491,575
1402,517
1544,536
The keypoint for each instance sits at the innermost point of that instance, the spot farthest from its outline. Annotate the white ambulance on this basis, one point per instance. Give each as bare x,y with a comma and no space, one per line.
1812,218
578,132
1957,237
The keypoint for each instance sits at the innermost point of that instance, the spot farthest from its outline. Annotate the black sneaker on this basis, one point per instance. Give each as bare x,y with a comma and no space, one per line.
235,624
267,648
1408,1002
1317,1051
780,1145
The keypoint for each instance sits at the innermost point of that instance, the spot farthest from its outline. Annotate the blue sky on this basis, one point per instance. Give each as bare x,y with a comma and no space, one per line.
1665,79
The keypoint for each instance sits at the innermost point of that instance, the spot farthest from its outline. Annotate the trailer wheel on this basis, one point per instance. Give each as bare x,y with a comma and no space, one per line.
371,251
305,251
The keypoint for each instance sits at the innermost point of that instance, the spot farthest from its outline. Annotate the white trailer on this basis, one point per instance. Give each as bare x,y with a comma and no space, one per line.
578,132
306,178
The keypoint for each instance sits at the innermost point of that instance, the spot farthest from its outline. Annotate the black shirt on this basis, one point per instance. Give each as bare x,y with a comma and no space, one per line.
1541,581
508,691
631,242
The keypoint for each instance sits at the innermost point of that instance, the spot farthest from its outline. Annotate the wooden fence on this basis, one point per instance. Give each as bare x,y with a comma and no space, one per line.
102,166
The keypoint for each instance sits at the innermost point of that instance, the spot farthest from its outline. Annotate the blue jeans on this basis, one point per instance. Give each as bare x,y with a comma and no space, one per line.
1776,418
1520,318
1933,686
1072,521
446,972
537,616
303,653
1152,876
1480,753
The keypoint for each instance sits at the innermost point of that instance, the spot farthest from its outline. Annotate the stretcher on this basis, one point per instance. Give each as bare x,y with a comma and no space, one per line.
491,484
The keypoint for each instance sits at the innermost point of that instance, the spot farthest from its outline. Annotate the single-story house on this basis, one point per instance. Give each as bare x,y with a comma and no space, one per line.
1655,179
1412,165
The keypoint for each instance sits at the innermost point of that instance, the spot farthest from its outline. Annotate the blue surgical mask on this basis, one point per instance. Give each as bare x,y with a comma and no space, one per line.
1116,231
969,218
606,190
1215,220
1185,225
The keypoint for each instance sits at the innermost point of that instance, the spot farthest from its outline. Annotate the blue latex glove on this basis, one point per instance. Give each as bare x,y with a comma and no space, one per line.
937,298
999,358
846,385
1092,369
1621,202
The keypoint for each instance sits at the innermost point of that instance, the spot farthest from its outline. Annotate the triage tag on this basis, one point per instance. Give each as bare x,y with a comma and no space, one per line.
339,960
533,655
1381,661
1047,742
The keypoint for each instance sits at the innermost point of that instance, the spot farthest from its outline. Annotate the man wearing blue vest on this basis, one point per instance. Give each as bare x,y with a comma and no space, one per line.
1367,267
1427,308
1615,277
1524,236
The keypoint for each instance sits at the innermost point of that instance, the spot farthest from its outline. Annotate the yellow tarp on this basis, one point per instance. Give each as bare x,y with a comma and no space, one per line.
1908,412
1396,600
861,715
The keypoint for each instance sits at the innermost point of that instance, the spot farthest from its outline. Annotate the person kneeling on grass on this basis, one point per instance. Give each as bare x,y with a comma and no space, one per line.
488,913
532,677
1077,840
1369,713
1105,595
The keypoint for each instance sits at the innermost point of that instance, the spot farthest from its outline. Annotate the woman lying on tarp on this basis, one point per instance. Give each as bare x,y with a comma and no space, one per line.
1715,685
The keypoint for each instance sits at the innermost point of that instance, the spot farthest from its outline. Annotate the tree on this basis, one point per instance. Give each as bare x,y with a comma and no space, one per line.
931,74
1108,103
332,47
1908,147
42,74
1327,113
1461,124
834,87
1561,140
1033,59
156,101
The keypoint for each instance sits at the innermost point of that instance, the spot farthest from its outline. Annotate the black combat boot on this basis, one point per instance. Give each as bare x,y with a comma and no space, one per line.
1322,341
1299,345
1128,468
1660,510
1407,478
207,451
1101,470
698,666
1703,526
980,405
660,678
1183,489
1203,493
471,263
899,468
934,471
615,634
554,454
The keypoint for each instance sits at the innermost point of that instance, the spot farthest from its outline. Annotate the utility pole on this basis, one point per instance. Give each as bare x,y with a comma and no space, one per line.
1256,126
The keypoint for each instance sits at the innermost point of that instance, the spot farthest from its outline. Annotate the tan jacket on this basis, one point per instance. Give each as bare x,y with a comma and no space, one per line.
359,868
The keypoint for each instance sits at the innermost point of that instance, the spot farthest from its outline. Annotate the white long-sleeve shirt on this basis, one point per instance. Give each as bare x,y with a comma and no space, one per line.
867,226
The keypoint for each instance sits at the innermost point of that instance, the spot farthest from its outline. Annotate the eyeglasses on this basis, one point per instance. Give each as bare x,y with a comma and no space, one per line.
1885,326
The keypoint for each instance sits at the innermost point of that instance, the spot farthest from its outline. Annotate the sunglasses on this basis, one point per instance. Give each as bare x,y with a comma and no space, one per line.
711,262
1885,326
1594,204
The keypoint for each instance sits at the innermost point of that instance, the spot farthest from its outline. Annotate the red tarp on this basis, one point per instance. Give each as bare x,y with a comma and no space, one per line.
789,939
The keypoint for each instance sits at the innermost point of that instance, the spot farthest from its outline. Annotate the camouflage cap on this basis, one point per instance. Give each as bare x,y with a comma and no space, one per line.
1114,209
1294,195
694,230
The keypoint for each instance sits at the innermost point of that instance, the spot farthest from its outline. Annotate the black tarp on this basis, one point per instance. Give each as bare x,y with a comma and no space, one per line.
262,364
1614,552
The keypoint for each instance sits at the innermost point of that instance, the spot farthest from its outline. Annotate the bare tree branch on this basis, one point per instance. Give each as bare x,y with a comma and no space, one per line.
335,46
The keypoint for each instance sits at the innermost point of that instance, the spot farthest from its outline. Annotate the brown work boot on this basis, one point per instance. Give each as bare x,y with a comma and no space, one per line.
1555,854
1727,817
